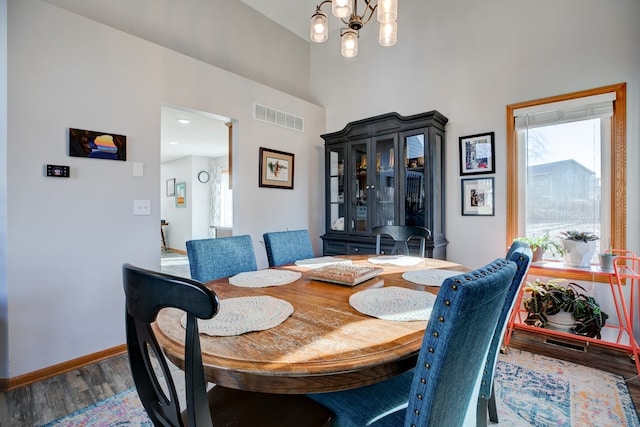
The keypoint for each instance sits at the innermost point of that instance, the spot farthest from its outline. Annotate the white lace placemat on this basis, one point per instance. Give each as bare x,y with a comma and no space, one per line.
321,261
402,260
264,278
430,277
394,303
237,316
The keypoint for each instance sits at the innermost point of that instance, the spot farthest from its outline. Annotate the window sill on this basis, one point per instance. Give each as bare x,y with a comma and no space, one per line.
560,270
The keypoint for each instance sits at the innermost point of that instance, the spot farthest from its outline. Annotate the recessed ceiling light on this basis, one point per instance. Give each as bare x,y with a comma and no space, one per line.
184,121
173,143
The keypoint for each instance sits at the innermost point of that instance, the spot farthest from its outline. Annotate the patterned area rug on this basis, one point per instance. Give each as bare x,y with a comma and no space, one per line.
531,390
123,409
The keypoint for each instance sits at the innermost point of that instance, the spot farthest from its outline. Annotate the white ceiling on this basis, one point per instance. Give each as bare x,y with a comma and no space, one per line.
205,134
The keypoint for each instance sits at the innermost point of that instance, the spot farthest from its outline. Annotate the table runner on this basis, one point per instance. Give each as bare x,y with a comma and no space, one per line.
244,314
264,278
394,303
401,260
430,277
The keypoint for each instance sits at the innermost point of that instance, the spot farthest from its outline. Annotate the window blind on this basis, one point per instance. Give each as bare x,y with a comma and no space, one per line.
588,107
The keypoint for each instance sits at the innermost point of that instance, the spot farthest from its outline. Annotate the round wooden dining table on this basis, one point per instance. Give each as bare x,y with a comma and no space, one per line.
324,345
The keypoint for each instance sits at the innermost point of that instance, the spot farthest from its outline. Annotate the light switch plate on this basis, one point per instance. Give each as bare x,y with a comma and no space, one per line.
138,169
142,207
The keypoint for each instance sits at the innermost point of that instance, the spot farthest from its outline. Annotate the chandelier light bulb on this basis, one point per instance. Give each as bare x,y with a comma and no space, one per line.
387,11
349,44
388,34
341,8
319,27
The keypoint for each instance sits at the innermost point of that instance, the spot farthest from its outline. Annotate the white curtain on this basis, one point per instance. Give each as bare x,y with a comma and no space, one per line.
215,199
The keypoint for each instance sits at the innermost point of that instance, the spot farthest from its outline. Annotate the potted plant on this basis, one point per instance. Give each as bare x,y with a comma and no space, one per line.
579,247
540,244
579,313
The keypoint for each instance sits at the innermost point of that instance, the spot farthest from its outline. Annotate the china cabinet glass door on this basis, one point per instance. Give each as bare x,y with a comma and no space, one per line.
384,181
360,186
414,172
336,188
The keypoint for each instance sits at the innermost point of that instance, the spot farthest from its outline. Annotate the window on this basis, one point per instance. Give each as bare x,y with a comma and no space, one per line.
568,154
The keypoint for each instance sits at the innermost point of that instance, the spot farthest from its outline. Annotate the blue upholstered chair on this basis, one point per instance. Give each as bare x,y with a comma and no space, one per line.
146,293
285,247
211,259
443,388
520,253
401,234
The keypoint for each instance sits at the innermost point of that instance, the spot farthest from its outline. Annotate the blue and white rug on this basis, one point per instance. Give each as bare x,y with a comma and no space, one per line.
531,390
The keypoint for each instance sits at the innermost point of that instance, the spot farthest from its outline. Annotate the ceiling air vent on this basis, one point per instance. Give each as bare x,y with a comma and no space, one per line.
278,118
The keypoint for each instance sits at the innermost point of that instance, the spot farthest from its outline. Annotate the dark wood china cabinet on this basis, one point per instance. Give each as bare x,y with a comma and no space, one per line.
385,170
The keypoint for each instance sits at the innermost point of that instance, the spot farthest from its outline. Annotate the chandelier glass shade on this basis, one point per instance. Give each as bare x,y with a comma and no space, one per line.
347,12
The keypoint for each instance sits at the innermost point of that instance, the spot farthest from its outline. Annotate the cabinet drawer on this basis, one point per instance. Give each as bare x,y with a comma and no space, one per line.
334,248
360,248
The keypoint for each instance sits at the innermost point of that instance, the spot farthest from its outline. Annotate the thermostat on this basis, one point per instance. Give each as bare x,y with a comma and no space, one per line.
58,171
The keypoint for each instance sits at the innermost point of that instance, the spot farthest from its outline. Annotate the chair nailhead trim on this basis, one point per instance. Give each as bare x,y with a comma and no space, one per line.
423,381
447,303
431,350
441,319
435,334
419,397
427,366
417,412
454,287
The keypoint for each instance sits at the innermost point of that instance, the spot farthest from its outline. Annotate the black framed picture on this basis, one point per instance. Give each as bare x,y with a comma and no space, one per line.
478,196
276,169
477,154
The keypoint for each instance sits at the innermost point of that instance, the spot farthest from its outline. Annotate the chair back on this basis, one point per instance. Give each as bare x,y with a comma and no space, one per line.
146,293
211,259
519,253
446,381
401,234
285,247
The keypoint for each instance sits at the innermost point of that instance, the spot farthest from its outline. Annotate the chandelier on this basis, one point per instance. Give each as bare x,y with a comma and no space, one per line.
347,12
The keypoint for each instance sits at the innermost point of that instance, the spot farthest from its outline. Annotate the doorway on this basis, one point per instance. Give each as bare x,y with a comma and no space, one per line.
196,199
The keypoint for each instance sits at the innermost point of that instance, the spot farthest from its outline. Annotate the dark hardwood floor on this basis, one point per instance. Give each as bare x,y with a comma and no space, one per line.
48,400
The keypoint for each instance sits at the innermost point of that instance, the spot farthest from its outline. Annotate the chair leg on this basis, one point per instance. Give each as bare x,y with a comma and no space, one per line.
492,407
481,412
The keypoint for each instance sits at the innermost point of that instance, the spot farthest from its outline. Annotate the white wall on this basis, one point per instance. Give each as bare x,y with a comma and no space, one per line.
470,59
191,221
227,34
67,238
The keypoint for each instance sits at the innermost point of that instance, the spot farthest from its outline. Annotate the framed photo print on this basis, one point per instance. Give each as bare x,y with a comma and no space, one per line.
478,196
477,154
171,187
276,169
181,194
97,145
